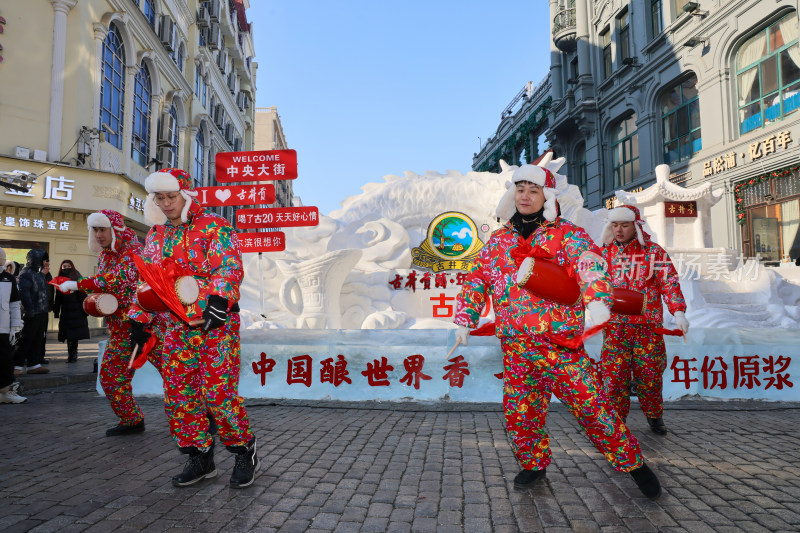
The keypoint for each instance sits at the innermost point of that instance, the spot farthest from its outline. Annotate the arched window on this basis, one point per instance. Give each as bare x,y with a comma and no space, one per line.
149,10
179,59
625,151
768,74
582,177
199,159
680,116
175,140
142,96
112,87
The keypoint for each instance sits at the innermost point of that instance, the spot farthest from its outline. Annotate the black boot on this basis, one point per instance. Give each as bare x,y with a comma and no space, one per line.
200,466
72,351
247,464
647,481
526,478
125,430
657,425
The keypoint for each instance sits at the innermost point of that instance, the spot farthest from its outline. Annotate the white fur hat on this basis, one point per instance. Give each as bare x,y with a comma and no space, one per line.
623,213
167,180
105,218
534,174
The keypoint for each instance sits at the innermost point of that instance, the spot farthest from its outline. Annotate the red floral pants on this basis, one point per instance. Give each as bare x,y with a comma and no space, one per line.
201,372
115,378
634,349
533,370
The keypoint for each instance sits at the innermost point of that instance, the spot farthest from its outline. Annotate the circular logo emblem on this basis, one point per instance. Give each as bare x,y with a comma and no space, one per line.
452,235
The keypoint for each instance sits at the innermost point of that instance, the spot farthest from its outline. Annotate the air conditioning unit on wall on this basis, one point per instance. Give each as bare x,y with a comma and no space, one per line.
167,131
166,33
203,18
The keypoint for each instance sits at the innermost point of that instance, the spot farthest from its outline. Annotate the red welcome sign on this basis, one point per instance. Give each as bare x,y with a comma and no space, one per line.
273,241
277,217
260,165
236,195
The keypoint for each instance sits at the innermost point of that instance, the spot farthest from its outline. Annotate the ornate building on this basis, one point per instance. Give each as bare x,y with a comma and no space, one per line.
269,136
711,88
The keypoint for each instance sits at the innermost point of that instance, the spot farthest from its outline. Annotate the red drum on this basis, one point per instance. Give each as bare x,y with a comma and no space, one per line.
548,281
186,289
628,302
100,304
149,300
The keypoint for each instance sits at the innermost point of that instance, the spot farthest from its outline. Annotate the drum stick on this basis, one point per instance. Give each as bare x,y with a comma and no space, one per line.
453,349
133,356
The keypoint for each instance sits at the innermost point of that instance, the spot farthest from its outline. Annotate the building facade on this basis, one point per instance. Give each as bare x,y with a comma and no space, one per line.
269,136
710,88
96,95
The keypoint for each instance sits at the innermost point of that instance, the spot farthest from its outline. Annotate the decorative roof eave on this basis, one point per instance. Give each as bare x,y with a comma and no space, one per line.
671,191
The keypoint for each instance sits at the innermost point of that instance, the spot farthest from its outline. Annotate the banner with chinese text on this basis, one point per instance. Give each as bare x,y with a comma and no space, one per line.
258,165
236,195
398,365
277,217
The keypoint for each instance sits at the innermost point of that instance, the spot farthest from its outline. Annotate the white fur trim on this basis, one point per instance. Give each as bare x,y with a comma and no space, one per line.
161,182
607,236
99,220
152,213
621,214
534,174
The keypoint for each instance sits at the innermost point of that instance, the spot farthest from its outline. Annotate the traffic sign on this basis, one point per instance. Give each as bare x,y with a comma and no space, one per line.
277,217
259,165
263,193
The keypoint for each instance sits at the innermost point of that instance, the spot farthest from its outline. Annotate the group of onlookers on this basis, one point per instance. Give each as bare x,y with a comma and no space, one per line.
26,299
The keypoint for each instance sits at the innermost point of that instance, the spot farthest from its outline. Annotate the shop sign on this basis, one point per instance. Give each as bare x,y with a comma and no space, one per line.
756,151
451,243
260,165
36,223
136,203
680,209
55,188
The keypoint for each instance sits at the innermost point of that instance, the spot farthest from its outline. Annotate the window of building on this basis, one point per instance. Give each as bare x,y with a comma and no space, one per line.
624,35
656,18
625,152
149,10
773,218
605,41
175,140
768,75
142,98
179,55
199,159
582,177
680,116
198,80
112,87
677,8
204,90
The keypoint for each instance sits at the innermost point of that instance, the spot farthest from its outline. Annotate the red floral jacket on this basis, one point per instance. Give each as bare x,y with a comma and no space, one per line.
517,310
646,269
207,248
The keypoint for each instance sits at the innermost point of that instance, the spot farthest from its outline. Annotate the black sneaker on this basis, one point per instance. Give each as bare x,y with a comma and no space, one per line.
526,478
247,464
657,425
200,466
125,430
647,481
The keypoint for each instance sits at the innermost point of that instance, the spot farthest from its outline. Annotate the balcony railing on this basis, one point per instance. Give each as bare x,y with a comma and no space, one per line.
564,31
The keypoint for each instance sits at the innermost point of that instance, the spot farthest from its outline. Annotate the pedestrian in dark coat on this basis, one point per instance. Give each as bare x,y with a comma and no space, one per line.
35,306
73,325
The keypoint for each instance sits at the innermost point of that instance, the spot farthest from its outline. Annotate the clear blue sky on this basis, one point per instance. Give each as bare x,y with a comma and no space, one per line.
367,88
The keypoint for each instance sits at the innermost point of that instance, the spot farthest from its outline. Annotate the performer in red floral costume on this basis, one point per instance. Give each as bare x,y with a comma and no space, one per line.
117,245
532,330
201,343
632,344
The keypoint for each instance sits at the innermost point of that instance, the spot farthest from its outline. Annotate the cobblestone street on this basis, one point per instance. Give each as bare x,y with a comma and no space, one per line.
371,467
